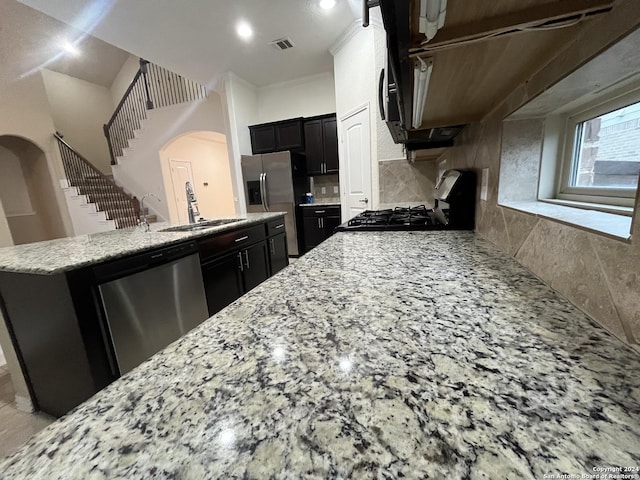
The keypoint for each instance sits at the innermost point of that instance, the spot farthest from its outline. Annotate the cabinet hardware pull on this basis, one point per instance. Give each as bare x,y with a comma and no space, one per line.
246,257
280,226
318,222
322,222
272,245
241,239
240,258
320,211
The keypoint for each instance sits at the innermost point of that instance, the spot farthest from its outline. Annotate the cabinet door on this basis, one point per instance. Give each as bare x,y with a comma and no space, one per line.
314,148
278,258
313,232
222,281
289,135
330,223
330,140
263,139
255,265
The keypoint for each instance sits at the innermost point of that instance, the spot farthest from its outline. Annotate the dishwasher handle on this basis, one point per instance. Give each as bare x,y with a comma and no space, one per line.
142,261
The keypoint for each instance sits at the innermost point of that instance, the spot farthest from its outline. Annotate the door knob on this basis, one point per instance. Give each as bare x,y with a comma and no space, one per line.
365,201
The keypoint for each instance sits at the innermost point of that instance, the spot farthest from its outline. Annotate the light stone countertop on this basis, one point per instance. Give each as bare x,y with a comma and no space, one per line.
375,355
55,256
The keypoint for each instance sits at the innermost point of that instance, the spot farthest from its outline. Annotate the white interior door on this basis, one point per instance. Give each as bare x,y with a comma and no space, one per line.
356,152
181,173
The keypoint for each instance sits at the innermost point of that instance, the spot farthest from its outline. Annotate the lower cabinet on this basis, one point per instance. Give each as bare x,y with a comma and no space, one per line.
255,267
319,224
222,281
238,261
278,254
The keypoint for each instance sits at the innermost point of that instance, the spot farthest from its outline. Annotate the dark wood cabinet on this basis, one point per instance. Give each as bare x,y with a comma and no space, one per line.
277,136
321,145
330,137
319,224
313,232
263,138
278,254
314,146
222,281
235,262
255,266
277,246
289,135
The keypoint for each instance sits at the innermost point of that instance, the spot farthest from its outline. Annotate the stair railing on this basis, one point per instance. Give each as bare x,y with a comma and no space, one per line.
152,87
123,209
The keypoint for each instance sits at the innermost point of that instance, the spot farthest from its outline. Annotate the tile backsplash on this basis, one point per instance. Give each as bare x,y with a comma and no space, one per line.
328,182
404,182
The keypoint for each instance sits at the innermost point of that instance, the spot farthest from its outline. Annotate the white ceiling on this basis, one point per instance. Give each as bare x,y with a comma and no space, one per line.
197,38
33,40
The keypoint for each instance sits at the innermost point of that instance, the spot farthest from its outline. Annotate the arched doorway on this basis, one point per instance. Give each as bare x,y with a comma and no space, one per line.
200,157
27,196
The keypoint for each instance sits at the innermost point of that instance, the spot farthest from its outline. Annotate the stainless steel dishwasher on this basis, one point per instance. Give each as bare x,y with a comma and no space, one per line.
150,300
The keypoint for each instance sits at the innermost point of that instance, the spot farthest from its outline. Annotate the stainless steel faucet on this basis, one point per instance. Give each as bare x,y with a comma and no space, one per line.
192,209
143,221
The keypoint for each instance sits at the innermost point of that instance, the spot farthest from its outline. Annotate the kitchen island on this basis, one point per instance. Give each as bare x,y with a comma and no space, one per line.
65,254
375,355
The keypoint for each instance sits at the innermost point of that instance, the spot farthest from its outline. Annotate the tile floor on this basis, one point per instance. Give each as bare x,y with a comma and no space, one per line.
16,427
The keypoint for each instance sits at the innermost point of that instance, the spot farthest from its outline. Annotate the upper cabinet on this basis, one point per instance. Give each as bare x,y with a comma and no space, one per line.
277,136
321,145
316,137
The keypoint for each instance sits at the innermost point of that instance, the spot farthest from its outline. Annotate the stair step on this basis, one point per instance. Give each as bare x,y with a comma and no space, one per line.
110,199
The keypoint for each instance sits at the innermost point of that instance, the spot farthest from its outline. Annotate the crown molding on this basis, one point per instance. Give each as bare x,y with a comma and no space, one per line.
375,21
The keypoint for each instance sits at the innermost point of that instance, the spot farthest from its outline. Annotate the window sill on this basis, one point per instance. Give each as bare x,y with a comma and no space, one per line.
612,225
615,209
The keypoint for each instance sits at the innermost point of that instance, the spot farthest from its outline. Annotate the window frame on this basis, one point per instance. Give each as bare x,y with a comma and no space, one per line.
599,195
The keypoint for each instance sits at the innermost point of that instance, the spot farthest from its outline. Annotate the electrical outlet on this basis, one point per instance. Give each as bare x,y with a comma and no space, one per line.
336,189
323,190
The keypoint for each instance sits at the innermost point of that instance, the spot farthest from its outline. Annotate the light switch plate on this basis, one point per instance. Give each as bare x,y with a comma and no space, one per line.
484,192
336,190
323,190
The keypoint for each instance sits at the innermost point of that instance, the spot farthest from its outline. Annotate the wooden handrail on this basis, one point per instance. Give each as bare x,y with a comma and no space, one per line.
151,87
110,197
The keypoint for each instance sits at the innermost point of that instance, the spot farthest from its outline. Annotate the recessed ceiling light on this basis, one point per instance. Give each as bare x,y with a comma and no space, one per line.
244,30
71,48
327,4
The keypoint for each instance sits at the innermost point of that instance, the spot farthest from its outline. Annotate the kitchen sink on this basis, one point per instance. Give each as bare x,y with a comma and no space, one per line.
194,227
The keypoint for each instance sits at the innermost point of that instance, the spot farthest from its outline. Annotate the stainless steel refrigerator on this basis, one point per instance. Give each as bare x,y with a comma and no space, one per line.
276,182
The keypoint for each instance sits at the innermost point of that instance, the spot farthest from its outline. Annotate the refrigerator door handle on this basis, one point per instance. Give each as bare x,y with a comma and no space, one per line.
262,191
264,188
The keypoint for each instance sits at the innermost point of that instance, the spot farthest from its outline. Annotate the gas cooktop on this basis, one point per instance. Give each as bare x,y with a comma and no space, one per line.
399,218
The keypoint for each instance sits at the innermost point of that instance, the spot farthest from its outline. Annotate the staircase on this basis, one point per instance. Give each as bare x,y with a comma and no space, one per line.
152,87
95,202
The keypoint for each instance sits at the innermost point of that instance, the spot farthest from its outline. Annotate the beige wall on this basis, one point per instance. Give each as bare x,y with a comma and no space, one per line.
597,274
79,110
14,193
302,97
207,154
123,79
29,201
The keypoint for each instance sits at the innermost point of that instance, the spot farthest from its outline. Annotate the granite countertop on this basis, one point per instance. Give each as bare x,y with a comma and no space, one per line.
373,356
54,256
321,204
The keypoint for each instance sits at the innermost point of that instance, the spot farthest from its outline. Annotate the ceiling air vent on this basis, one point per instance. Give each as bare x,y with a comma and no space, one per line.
282,44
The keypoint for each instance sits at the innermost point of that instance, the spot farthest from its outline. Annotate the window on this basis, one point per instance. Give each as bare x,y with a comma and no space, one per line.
601,160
